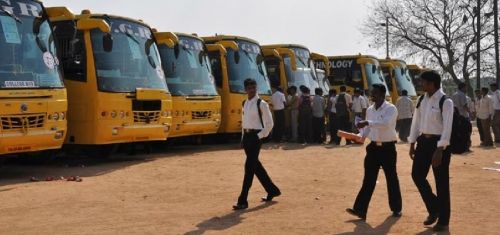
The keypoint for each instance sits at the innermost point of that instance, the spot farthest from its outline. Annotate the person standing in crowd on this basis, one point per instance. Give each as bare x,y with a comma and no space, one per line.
293,105
257,123
343,103
405,114
278,100
476,109
485,115
380,126
460,101
305,116
495,95
318,110
431,132
364,95
332,118
359,104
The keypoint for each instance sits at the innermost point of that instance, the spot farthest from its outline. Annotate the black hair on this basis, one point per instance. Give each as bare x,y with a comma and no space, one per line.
432,76
493,84
485,89
279,89
343,89
380,87
306,90
293,88
461,85
404,93
249,82
318,91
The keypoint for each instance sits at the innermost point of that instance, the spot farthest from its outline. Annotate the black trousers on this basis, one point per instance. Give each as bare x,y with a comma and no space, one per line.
344,124
305,127
379,156
333,128
252,144
318,125
404,128
279,125
435,203
480,129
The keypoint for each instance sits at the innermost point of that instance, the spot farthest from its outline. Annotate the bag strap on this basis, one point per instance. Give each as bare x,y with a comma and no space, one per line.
260,112
441,102
420,100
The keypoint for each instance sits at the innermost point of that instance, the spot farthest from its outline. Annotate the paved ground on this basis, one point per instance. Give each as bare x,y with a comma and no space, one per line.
190,190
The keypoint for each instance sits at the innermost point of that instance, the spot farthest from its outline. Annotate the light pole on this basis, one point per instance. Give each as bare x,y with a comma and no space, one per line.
386,24
478,45
497,61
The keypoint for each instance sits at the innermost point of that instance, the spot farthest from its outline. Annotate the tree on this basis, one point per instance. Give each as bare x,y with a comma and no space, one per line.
442,33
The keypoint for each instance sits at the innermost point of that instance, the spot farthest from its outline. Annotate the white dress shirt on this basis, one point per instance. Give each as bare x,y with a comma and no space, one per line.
405,107
333,101
381,123
278,100
251,120
358,104
428,119
485,109
495,96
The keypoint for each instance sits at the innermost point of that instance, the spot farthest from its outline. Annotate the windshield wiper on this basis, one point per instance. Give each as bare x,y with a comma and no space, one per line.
248,55
132,37
302,61
8,13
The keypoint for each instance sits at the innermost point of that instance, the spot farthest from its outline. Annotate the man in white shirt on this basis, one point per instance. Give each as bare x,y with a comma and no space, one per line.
257,122
343,105
278,100
476,108
495,96
485,115
380,128
405,114
431,131
359,104
332,118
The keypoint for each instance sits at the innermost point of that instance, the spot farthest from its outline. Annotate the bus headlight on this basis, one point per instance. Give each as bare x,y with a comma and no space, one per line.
63,116
176,113
113,114
55,116
114,131
164,114
59,135
122,114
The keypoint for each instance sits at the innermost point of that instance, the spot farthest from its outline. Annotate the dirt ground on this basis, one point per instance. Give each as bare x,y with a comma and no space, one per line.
190,190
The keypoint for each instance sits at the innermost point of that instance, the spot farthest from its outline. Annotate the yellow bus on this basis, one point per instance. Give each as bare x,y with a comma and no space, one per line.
33,102
415,72
290,65
196,103
398,78
116,85
354,72
242,59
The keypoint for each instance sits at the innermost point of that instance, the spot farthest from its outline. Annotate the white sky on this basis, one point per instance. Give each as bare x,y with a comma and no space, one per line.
330,27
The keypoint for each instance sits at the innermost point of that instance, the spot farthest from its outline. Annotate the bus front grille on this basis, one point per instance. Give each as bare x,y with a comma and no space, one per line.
146,117
201,115
22,122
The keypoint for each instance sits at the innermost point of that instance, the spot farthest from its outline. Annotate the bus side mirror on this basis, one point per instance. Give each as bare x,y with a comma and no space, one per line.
90,24
260,59
374,69
236,57
107,42
166,38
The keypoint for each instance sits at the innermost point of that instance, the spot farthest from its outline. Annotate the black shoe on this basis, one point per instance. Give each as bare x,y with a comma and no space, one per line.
270,197
431,219
355,213
238,207
440,228
397,214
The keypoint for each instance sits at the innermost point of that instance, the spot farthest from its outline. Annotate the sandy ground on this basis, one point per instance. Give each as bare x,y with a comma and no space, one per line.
190,190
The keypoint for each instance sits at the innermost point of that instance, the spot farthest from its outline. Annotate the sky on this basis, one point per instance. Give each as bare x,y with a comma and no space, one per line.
329,27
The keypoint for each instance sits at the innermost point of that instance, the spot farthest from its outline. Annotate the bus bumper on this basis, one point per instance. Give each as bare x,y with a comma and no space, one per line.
191,128
132,133
17,142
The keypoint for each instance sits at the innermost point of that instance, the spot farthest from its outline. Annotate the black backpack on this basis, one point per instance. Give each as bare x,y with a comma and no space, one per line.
341,106
460,131
305,106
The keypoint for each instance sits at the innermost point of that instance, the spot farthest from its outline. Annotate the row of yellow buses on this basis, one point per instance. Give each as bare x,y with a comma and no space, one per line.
95,81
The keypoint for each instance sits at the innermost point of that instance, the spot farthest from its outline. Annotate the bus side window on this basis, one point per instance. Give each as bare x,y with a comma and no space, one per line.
71,51
216,65
273,71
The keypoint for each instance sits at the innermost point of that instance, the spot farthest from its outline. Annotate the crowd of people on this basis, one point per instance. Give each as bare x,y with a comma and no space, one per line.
302,117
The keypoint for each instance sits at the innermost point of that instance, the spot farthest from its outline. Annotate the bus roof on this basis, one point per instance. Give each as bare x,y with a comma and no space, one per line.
188,35
414,66
273,46
220,37
352,57
100,15
394,62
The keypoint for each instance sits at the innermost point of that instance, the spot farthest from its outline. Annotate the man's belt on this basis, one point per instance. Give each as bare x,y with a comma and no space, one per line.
430,136
380,144
246,131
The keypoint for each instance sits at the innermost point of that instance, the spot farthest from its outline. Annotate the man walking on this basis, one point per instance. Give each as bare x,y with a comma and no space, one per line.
257,122
278,101
318,110
485,115
405,114
431,132
343,103
381,152
495,96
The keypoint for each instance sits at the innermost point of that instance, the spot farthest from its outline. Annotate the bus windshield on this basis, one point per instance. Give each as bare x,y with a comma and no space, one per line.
133,62
404,82
248,62
388,78
187,68
415,75
305,75
374,76
346,72
323,81
26,42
